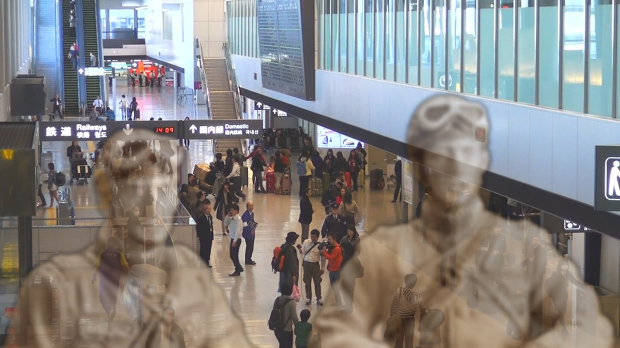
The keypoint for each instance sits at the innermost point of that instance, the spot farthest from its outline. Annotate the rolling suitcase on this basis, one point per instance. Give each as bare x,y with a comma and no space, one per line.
347,177
377,182
361,179
326,181
285,185
271,182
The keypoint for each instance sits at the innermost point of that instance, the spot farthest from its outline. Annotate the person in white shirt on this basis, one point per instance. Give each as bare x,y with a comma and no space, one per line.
234,225
235,178
98,104
313,266
123,104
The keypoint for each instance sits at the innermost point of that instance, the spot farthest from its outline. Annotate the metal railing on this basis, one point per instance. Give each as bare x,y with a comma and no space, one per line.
181,214
203,79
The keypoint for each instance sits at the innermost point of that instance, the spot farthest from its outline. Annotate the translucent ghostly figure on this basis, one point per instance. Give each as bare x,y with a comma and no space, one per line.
441,136
63,304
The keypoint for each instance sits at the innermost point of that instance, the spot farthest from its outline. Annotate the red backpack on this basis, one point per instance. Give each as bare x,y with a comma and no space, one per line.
277,262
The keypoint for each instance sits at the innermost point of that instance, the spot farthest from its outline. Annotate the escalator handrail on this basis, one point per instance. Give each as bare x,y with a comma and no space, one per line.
79,12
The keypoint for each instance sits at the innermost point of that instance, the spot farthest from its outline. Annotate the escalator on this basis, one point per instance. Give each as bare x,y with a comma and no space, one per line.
91,45
71,100
48,58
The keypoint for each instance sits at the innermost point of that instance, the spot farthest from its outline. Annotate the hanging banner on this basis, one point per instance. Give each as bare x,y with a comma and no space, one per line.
407,181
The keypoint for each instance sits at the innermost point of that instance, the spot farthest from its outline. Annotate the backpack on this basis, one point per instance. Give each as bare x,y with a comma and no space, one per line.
61,179
279,257
301,167
276,318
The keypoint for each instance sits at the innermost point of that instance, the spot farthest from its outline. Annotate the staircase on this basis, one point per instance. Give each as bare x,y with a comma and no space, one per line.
71,100
47,60
221,97
91,44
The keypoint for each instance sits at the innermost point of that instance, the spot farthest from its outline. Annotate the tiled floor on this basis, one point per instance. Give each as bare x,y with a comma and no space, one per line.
251,295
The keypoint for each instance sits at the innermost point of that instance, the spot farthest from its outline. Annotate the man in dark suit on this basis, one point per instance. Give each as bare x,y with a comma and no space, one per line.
249,232
165,332
398,173
334,223
204,230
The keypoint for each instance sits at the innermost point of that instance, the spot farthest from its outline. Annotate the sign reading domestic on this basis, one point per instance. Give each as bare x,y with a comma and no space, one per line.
607,178
223,129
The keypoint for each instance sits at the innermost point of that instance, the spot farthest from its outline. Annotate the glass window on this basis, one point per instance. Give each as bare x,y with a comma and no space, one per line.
141,24
505,51
487,50
342,26
527,55
470,49
167,25
380,39
600,64
336,34
389,42
401,33
573,74
453,80
360,31
351,33
328,34
104,24
370,36
425,51
439,31
121,24
321,15
617,96
549,56
412,40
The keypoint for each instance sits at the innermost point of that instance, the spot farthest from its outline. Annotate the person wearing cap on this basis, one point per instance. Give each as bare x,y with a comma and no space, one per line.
290,273
441,137
334,223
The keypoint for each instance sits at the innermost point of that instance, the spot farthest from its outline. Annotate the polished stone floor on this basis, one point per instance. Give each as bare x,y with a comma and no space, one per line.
251,295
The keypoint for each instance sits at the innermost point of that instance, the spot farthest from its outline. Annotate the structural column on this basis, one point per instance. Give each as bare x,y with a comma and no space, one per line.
7,43
2,51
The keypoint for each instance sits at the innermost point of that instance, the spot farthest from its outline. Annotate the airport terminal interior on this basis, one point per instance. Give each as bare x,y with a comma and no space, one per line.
325,173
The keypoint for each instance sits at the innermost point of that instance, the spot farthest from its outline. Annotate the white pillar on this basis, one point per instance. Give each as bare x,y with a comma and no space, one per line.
3,55
8,64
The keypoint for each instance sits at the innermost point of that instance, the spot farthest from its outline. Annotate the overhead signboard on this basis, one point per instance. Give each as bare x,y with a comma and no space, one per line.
286,40
68,131
223,129
329,139
94,71
574,227
607,178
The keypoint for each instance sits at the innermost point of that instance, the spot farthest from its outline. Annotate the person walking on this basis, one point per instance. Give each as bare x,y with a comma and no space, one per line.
404,304
249,232
350,249
93,60
185,141
278,169
290,271
52,185
234,225
288,311
398,173
57,104
348,208
133,106
313,266
204,231
74,55
334,223
40,184
140,79
305,214
123,104
557,289
355,165
110,265
258,165
235,178
225,198
334,255
304,169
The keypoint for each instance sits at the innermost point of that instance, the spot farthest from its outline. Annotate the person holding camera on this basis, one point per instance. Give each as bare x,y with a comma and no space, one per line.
313,266
333,253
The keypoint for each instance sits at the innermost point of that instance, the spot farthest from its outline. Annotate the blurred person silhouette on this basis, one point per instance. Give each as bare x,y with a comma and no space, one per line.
189,288
110,265
513,281
165,333
441,137
405,304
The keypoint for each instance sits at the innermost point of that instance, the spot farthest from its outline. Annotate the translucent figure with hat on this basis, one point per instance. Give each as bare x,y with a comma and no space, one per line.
163,274
441,137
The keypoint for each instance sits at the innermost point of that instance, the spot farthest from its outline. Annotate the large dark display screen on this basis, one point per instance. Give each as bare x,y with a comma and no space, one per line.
286,42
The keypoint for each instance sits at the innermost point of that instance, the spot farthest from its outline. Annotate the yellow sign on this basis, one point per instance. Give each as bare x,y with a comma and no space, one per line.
7,154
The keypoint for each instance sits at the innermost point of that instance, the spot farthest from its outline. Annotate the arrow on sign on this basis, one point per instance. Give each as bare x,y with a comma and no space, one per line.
127,130
193,128
259,104
275,111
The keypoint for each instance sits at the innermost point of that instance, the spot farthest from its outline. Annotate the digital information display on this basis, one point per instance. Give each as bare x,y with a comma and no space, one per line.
68,131
223,129
328,139
286,41
195,129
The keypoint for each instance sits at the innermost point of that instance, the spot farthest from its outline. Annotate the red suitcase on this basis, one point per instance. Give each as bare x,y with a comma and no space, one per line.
347,177
271,182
